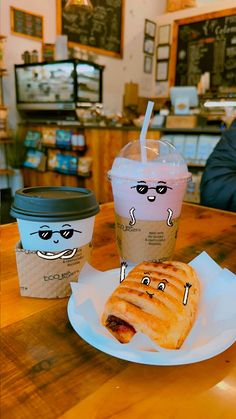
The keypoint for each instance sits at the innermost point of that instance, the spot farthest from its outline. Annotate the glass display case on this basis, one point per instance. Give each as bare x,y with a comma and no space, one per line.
60,85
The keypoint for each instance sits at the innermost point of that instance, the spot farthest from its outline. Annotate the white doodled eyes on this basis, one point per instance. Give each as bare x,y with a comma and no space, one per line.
145,280
161,286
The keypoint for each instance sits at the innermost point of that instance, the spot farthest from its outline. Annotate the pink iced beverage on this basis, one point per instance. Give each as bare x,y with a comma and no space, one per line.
148,198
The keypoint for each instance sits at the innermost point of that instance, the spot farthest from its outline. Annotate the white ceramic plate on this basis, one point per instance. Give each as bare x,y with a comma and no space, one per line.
88,327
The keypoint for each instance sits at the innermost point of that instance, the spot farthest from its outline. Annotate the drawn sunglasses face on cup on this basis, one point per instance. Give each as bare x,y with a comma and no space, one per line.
57,236
151,192
149,195
45,233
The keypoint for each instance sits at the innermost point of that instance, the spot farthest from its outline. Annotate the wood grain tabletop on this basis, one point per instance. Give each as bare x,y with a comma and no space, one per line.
48,371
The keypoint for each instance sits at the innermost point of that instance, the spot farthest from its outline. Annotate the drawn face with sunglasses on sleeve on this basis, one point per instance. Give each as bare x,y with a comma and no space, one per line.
146,195
61,239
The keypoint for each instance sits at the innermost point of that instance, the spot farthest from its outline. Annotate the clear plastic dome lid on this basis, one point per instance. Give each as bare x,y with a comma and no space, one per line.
151,160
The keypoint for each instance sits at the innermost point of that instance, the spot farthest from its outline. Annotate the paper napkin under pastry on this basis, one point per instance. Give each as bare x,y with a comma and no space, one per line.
216,313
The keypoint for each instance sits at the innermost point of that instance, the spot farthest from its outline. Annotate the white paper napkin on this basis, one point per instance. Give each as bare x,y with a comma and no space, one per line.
216,314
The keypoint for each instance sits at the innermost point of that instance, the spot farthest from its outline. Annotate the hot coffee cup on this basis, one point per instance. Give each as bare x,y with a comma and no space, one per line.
56,228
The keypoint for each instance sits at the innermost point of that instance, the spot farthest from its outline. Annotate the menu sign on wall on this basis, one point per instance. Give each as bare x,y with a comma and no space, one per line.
100,30
26,24
206,43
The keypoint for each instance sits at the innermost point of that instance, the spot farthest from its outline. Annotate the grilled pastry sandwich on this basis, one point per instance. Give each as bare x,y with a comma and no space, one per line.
157,299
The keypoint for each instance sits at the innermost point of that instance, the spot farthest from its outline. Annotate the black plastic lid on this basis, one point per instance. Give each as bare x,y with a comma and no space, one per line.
54,204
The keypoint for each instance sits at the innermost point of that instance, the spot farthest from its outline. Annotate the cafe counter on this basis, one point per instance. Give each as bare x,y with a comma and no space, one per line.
102,144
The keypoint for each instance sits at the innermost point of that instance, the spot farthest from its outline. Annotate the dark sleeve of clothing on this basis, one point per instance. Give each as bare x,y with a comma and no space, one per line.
218,185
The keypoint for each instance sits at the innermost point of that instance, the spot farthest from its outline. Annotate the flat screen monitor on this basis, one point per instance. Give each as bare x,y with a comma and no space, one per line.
46,85
182,98
89,83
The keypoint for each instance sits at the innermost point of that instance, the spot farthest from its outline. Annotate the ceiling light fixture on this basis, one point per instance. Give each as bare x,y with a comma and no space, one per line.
220,103
74,5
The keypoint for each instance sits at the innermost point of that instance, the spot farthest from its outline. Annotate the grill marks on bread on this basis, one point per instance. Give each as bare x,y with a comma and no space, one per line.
165,299
163,317
141,300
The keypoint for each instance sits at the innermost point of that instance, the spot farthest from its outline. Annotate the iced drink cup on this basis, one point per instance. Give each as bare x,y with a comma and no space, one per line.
56,229
148,198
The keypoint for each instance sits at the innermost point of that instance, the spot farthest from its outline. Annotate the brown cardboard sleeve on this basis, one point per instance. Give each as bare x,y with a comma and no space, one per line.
43,278
149,240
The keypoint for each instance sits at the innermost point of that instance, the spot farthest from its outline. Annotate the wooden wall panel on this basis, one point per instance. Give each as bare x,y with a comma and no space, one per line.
133,135
34,178
103,146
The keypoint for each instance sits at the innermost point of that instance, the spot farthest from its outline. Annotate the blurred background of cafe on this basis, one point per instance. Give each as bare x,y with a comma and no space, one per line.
76,75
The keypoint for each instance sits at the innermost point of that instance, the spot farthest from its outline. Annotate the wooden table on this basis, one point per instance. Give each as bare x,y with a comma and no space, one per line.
49,371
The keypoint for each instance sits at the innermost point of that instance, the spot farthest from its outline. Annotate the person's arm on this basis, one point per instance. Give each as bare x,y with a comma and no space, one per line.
218,185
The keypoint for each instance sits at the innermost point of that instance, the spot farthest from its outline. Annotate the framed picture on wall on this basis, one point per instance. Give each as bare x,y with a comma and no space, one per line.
149,45
48,52
163,52
163,34
150,28
162,68
148,64
27,24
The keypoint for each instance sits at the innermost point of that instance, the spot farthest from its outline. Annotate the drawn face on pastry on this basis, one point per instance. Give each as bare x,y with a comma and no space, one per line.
146,280
151,192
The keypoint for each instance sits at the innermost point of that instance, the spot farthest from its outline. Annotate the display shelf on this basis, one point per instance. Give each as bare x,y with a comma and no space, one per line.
64,148
197,130
6,172
93,78
84,126
3,72
180,137
5,140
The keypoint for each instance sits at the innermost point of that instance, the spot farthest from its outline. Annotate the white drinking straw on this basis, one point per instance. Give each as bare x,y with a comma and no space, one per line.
143,133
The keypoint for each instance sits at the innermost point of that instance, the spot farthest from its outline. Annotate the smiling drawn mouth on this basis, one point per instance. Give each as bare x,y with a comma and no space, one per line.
150,294
56,241
151,198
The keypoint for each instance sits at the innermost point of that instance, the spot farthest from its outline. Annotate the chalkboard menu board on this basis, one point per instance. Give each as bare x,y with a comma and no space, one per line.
26,24
205,43
100,30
